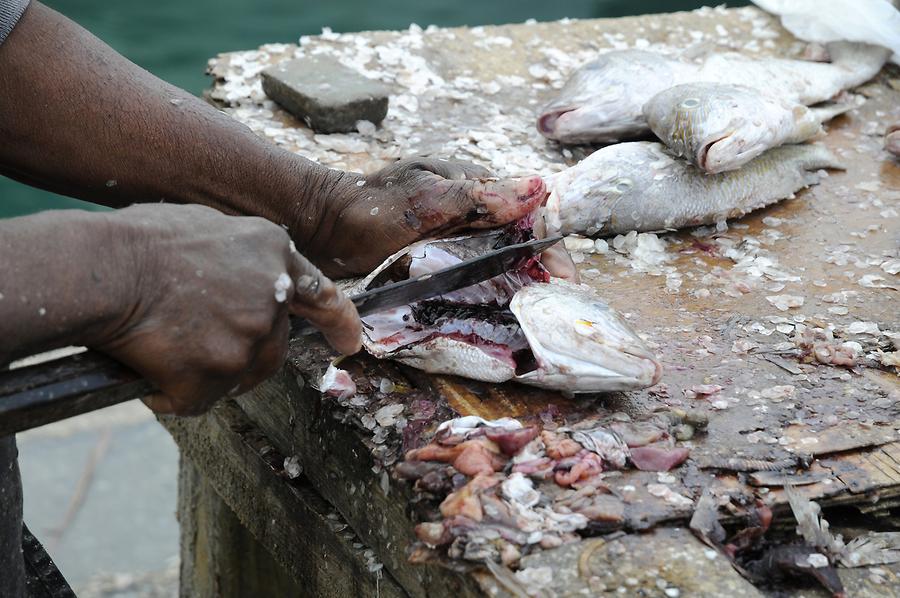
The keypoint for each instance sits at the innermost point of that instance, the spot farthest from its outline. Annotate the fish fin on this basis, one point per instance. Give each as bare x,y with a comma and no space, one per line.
858,56
827,110
811,524
874,548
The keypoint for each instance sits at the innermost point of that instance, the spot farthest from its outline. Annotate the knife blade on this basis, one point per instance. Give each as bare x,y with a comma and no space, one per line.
452,278
61,388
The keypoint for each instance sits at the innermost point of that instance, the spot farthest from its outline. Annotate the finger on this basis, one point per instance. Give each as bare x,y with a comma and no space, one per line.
270,355
160,403
559,263
495,203
317,299
454,169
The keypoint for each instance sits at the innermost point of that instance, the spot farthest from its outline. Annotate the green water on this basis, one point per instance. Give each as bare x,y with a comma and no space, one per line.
174,38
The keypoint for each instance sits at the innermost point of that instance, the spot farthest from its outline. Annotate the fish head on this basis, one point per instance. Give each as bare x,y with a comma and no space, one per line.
469,332
593,106
579,343
586,112
605,189
485,331
602,100
715,126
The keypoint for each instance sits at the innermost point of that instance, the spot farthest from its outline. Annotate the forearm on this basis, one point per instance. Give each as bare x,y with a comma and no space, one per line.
77,118
62,281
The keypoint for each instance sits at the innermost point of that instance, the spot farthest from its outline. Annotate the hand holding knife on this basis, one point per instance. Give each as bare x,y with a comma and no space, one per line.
54,390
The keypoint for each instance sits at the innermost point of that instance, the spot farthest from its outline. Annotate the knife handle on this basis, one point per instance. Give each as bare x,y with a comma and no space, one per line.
54,390
49,391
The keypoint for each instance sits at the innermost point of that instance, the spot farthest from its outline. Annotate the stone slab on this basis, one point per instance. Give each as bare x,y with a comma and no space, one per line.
326,95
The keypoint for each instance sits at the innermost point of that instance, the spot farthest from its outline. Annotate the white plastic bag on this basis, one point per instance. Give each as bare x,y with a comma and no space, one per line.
870,21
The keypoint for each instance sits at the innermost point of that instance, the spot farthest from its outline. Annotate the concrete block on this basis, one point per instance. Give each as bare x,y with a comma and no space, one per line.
328,96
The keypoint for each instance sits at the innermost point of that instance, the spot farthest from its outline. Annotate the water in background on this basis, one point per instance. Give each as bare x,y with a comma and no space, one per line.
173,39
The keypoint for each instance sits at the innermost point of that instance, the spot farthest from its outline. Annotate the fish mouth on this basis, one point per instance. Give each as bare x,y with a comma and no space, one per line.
436,331
656,376
491,328
703,153
548,121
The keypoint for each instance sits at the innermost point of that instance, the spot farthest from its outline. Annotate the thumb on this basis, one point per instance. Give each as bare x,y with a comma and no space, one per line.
317,299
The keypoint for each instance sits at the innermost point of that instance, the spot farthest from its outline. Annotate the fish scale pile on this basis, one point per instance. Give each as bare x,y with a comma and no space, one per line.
506,487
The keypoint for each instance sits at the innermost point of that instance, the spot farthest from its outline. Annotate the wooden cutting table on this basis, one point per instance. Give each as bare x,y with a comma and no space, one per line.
344,526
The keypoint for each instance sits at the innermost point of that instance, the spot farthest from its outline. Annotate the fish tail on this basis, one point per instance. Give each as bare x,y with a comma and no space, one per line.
864,59
816,157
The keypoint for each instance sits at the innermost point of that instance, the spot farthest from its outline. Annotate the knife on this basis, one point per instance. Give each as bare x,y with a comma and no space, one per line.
53,390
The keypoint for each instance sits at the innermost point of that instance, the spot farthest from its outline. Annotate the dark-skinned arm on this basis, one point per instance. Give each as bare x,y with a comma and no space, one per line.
195,301
79,119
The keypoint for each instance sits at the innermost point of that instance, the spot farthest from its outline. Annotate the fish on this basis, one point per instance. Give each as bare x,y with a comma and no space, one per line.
721,127
522,326
603,101
642,186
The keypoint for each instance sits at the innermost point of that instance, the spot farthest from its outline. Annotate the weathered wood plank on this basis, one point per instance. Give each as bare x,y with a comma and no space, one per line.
340,466
303,532
219,556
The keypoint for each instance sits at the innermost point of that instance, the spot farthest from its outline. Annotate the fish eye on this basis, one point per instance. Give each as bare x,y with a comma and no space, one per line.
690,103
623,185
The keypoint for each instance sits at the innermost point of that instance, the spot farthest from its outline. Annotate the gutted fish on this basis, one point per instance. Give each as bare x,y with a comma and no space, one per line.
721,127
603,100
641,186
520,326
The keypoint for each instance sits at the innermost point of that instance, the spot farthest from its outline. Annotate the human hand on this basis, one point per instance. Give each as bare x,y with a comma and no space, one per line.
365,219
208,318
